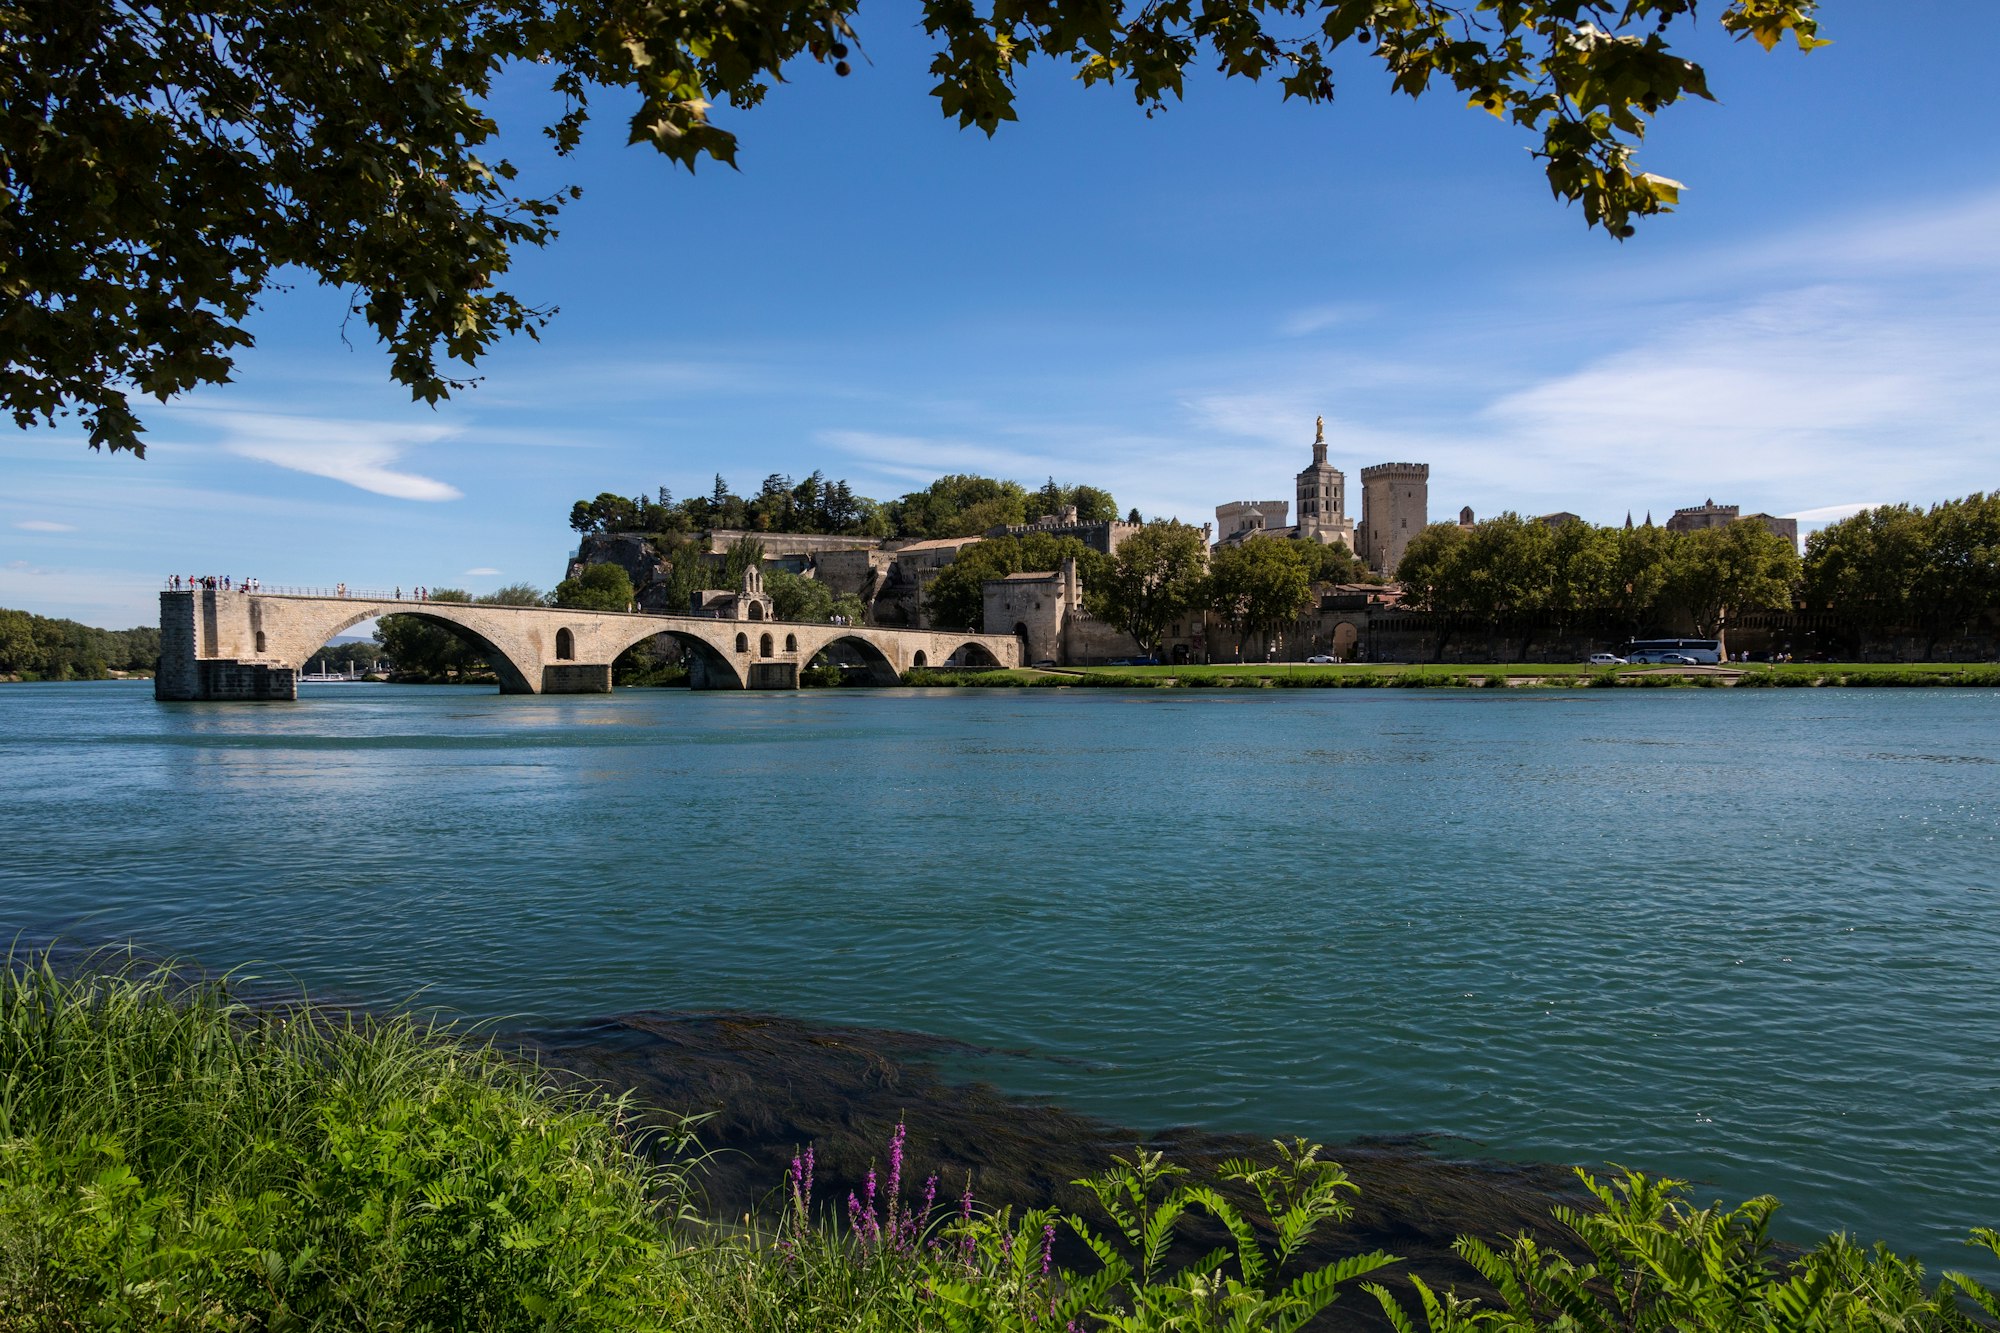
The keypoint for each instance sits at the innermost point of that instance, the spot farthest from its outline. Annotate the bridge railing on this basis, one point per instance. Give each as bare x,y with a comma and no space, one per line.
339,594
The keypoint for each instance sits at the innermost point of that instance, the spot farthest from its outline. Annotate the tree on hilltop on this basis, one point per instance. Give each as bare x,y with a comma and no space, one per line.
161,166
600,587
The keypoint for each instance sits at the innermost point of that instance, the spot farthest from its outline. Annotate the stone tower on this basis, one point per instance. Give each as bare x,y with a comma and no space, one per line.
1395,506
1322,497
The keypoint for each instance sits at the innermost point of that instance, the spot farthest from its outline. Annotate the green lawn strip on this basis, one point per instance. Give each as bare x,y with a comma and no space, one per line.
934,678
1871,674
1516,675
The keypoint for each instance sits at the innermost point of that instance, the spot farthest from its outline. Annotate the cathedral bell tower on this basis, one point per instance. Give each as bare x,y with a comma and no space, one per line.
1322,498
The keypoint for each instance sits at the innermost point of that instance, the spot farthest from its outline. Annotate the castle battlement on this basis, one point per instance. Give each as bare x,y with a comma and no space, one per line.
1396,470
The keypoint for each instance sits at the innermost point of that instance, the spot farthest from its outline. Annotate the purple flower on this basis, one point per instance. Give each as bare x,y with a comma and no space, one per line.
896,1163
896,1182
965,1220
1048,1245
868,1208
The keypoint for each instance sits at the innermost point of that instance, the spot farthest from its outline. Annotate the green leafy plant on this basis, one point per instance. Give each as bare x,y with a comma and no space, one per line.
1645,1259
171,1158
1239,1287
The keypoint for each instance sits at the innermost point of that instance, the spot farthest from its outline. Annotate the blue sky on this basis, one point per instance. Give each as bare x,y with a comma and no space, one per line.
1156,306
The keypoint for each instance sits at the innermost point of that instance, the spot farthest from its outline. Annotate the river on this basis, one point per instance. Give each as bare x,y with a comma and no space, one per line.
1743,936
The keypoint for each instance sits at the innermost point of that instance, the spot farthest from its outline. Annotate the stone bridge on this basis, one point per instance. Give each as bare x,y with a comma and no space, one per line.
222,644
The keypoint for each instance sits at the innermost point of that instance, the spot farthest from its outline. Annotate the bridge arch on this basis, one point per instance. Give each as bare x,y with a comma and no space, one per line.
973,655
297,648
709,664
863,652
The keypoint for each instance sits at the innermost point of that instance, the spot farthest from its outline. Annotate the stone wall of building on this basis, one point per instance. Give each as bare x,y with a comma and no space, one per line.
1031,607
720,541
1105,536
1395,506
1088,641
1242,519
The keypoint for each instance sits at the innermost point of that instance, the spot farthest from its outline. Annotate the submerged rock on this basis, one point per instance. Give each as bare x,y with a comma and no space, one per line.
769,1085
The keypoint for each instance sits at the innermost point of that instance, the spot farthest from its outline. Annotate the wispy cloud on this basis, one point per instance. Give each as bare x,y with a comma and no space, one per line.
921,459
1821,386
359,453
479,573
1825,514
44,525
1314,319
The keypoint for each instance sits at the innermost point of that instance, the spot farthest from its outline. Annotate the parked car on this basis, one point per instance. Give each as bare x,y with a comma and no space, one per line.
1677,659
1321,659
1046,664
1606,659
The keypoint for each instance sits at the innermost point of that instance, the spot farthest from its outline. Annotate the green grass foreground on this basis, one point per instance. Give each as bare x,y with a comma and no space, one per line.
173,1160
1511,675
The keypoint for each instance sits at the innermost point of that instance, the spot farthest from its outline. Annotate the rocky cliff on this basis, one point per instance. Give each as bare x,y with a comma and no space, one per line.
633,553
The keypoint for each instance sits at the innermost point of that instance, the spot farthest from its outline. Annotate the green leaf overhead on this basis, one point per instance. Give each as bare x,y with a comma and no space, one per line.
163,166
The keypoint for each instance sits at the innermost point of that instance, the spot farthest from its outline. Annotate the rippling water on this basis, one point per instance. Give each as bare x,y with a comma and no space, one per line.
1744,936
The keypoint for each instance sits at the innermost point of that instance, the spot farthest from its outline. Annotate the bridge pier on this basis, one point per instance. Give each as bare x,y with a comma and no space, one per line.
189,669
574,678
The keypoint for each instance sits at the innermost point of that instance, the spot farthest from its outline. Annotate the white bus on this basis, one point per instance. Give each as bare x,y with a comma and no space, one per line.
1708,652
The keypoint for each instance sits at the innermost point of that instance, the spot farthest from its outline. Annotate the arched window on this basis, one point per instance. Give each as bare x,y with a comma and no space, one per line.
260,643
764,646
743,643
791,643
565,646
920,659
756,610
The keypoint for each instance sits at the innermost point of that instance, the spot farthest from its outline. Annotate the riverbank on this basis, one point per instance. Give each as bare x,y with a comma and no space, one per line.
176,1158
1500,675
